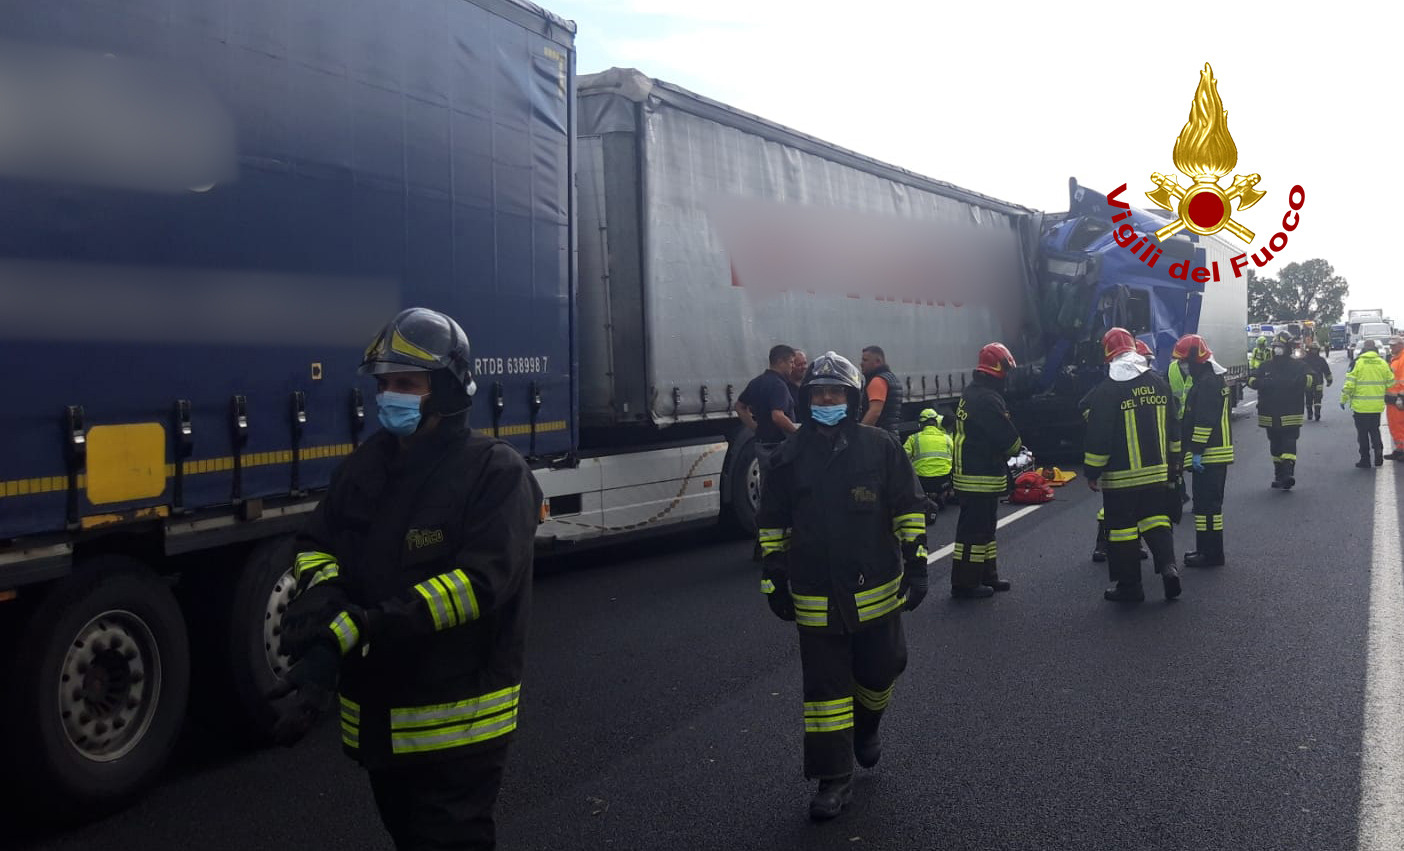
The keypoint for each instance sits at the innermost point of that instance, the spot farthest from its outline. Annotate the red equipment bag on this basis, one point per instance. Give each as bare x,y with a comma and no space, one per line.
1030,489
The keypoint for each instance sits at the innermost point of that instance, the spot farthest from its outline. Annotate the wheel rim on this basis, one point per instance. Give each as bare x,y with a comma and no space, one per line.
110,685
278,600
753,484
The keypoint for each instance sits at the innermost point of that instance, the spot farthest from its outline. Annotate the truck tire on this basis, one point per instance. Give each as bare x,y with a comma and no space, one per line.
261,593
102,679
745,488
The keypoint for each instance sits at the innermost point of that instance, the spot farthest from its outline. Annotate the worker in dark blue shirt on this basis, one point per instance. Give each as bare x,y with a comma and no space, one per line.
767,406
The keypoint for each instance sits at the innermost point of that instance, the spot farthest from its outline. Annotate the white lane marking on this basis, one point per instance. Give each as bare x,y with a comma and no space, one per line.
1004,521
1382,746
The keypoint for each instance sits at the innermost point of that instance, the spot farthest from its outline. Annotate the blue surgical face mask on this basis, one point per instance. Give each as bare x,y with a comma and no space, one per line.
399,412
828,414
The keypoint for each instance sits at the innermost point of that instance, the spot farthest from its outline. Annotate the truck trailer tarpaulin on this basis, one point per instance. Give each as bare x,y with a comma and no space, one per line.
203,222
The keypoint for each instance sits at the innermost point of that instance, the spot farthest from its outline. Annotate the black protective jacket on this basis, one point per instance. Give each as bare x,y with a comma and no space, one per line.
439,535
985,438
1318,369
1281,383
1131,432
843,508
1205,429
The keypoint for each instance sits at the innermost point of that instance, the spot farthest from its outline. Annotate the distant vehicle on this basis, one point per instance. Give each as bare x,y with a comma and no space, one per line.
1338,337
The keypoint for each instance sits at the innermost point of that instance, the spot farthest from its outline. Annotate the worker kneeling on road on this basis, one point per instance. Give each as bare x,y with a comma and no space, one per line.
1282,384
842,525
1132,439
414,578
930,451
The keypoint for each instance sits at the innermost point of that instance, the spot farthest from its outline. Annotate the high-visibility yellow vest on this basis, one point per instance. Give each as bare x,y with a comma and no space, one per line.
930,451
1180,383
1366,383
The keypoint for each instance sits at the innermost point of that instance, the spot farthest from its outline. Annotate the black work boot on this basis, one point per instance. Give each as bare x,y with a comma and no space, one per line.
1276,474
833,795
993,581
1099,551
1289,474
1364,462
1379,458
867,747
979,592
1125,593
1170,578
1318,413
1200,559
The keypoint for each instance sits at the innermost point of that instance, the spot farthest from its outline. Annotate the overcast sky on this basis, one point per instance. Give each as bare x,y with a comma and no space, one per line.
1011,99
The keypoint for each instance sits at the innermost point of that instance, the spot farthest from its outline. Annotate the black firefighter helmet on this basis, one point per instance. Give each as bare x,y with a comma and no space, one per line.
833,370
424,340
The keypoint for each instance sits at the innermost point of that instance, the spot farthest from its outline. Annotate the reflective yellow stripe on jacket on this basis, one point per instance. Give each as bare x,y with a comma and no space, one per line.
442,726
450,599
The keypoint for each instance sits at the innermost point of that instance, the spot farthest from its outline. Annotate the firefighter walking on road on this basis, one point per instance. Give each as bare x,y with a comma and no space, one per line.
1321,378
414,588
1132,440
985,438
843,528
1207,437
1282,384
930,451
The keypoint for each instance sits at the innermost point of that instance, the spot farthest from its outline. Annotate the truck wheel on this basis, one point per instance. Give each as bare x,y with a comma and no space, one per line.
101,686
745,488
261,594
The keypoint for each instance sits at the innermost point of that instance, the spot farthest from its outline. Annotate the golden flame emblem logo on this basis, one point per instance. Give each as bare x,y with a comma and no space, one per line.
1205,152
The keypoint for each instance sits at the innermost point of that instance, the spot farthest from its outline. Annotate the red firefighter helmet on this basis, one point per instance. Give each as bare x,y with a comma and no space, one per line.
1117,342
1144,350
995,360
1192,348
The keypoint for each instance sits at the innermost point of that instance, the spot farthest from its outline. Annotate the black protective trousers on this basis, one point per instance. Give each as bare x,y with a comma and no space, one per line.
441,806
1132,514
1282,442
1207,488
1313,401
1367,435
974,561
936,488
848,682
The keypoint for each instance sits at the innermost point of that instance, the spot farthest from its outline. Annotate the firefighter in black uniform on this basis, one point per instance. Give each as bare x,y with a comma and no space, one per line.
1207,437
843,525
414,587
1131,439
1099,551
985,438
1321,378
1282,384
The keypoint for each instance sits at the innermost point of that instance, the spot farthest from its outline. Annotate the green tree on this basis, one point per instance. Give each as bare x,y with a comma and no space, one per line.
1310,290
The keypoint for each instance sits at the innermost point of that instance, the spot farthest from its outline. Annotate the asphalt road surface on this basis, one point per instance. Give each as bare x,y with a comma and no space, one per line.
661,708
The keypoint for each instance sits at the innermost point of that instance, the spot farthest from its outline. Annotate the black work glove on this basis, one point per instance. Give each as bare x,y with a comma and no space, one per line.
307,615
775,583
914,577
311,691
